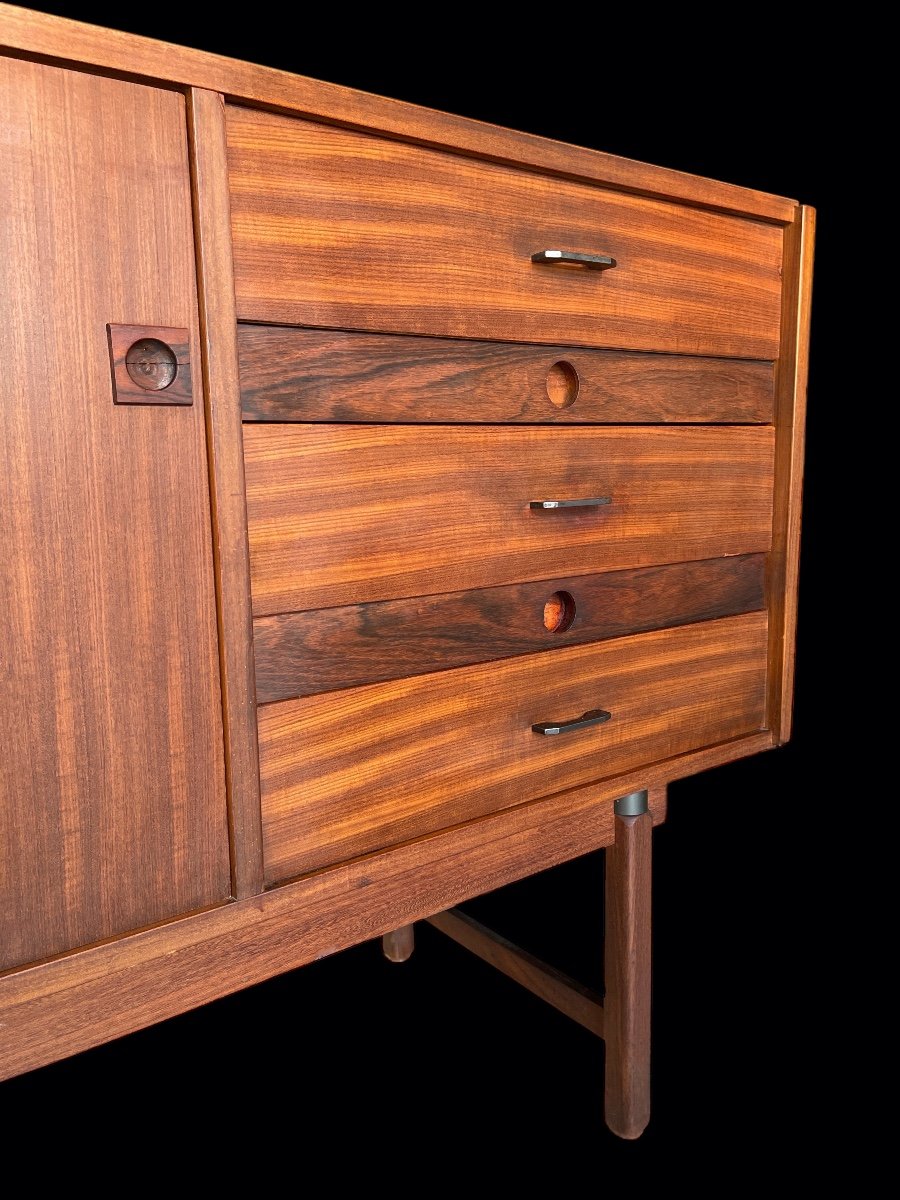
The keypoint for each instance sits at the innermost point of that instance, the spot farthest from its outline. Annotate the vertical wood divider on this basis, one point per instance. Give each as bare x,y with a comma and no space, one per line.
790,420
221,389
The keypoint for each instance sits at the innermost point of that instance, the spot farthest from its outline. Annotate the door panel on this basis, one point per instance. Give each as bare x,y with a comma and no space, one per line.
112,797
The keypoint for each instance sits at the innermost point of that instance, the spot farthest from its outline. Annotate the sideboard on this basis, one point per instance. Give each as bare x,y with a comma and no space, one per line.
392,506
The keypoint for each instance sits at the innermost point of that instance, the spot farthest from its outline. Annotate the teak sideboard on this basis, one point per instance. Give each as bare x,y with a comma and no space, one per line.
392,505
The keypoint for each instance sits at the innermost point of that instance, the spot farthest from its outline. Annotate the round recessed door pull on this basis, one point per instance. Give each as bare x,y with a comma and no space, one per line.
151,364
573,258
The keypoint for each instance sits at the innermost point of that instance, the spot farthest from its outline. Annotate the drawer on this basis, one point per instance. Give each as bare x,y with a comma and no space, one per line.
340,229
366,768
327,649
344,514
328,375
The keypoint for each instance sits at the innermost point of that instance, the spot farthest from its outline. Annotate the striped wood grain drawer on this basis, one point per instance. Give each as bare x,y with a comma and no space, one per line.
349,514
326,649
342,229
330,375
371,766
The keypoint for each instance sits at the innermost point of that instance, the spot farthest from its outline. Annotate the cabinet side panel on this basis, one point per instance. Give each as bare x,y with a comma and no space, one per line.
112,805
790,428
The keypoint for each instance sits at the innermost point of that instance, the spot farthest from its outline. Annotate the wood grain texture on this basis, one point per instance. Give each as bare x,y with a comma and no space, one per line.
313,246
68,1005
374,766
346,514
564,994
112,798
784,561
326,375
212,226
300,654
154,390
40,33
627,975
398,945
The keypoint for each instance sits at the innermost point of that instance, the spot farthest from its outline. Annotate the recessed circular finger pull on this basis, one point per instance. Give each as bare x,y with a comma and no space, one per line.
559,612
151,364
562,384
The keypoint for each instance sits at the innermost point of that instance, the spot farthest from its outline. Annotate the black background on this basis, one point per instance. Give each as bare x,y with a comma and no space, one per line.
441,1057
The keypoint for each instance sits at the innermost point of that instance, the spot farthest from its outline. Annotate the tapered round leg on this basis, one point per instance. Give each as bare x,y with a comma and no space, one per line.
627,966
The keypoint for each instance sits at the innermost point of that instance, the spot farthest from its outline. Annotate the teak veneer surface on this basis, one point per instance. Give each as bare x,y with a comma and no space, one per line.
111,770
322,650
56,37
340,229
413,381
342,514
372,766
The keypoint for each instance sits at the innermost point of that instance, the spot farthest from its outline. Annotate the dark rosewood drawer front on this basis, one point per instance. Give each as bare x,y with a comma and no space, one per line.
344,230
324,375
326,649
372,766
347,514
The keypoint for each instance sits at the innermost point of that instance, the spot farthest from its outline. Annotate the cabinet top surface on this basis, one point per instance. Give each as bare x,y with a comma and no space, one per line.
71,42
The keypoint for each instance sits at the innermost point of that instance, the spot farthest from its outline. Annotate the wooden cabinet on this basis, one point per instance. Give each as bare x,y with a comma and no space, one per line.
393,506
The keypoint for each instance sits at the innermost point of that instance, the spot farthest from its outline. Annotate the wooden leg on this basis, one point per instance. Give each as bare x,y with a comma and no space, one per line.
571,998
627,1002
399,944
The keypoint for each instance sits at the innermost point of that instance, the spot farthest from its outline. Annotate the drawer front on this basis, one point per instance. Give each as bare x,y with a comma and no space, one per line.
328,375
340,229
349,514
372,766
326,649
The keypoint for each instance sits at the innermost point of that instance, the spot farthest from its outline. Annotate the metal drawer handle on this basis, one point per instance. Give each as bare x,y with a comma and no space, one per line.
594,262
594,716
591,502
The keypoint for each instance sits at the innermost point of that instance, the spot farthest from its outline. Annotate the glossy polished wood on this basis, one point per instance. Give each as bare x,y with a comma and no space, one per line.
112,797
315,375
312,247
122,639
346,514
373,766
302,653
